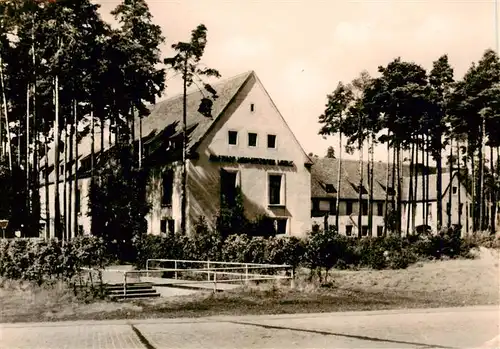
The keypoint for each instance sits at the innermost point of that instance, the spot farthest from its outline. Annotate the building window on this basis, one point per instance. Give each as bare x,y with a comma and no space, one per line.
252,139
168,186
280,225
78,200
380,230
391,191
271,141
365,208
315,205
348,230
167,226
448,207
228,185
232,137
333,207
349,208
276,189
330,188
380,209
455,189
460,208
252,107
364,230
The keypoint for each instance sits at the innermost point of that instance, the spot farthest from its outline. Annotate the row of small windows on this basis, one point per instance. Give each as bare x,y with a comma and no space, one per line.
232,137
349,207
229,181
364,230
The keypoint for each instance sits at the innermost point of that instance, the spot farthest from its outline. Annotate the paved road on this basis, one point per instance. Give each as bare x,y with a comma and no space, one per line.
471,327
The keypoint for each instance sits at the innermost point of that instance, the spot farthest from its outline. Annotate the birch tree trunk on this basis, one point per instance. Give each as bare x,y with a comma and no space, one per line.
387,178
411,199
77,198
27,169
450,186
57,207
459,186
360,189
370,199
398,190
339,175
65,189
6,114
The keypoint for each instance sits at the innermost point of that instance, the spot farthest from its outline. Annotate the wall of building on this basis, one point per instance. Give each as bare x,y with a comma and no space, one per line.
159,211
346,220
463,219
204,174
84,220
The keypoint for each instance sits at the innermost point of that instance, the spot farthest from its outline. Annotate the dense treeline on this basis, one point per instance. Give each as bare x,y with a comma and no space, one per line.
65,75
424,116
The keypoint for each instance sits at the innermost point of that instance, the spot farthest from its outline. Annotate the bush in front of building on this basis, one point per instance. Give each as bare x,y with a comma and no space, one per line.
46,261
286,250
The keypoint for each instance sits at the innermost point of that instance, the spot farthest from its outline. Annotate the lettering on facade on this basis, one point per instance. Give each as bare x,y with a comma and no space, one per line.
246,160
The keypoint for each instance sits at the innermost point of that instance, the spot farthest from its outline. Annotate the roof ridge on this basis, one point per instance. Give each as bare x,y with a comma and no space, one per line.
218,83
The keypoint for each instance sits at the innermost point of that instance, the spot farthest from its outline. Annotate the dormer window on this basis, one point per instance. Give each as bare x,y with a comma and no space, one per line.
359,189
330,188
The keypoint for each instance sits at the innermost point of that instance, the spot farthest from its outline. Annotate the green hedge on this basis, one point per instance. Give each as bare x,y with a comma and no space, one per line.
43,261
319,250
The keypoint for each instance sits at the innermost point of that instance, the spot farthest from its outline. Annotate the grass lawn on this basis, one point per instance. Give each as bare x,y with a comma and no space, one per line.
429,284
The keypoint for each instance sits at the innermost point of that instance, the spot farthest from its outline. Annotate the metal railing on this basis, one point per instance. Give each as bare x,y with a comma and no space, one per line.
217,272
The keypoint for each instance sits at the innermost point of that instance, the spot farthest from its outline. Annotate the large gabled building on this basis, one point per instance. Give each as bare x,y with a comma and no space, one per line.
246,143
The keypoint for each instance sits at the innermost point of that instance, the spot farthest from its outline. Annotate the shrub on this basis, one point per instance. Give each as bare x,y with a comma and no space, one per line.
286,250
323,250
45,261
401,259
206,243
256,250
234,249
371,253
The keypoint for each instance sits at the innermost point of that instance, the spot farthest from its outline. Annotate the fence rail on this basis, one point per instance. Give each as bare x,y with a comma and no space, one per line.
216,272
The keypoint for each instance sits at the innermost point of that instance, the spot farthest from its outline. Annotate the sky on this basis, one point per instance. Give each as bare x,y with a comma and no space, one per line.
301,49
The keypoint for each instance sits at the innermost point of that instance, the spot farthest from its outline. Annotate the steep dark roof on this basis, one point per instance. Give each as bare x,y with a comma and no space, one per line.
325,171
169,113
445,180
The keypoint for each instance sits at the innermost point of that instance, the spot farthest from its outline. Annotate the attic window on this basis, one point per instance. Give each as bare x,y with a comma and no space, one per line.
389,190
232,137
360,188
455,189
330,188
271,141
252,107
